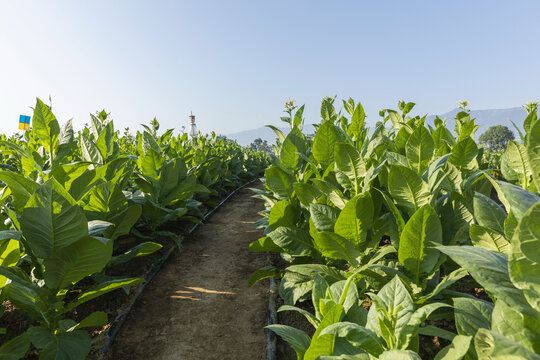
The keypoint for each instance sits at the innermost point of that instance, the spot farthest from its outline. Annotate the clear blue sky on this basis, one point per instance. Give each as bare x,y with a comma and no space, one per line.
234,63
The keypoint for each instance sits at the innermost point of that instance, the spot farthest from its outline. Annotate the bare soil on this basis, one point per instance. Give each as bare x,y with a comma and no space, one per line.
199,306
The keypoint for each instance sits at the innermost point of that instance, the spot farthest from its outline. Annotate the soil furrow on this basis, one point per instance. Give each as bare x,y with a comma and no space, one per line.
199,305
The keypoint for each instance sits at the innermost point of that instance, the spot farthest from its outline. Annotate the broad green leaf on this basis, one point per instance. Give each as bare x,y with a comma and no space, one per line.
90,151
150,163
324,217
76,261
336,247
419,149
524,260
349,160
293,144
488,214
309,317
355,219
51,220
516,156
323,144
357,121
281,136
294,241
421,232
399,355
73,345
471,315
123,222
493,346
279,181
407,188
142,249
521,328
15,348
281,214
490,270
103,288
298,280
263,273
264,244
488,239
95,319
296,338
533,152
520,200
306,193
396,300
446,282
324,344
464,153
359,335
45,126
22,188
456,350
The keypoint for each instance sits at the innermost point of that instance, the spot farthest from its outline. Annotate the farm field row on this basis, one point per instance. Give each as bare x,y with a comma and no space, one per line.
78,207
403,242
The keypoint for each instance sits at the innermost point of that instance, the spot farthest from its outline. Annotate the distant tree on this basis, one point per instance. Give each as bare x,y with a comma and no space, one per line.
261,145
496,138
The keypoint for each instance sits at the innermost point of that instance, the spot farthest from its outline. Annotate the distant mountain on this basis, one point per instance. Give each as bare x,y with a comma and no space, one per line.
484,118
487,118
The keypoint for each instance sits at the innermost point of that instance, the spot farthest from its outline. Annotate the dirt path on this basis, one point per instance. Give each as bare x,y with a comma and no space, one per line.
199,305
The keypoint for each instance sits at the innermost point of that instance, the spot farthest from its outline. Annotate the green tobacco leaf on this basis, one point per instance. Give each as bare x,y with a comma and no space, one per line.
336,247
407,188
490,270
90,151
142,249
399,355
150,163
73,345
357,121
282,214
76,261
521,328
323,144
493,346
123,222
279,181
21,187
395,299
471,315
298,280
51,220
488,239
264,273
296,338
359,335
488,214
306,193
281,136
265,244
45,126
456,350
15,348
519,200
293,144
524,260
517,159
103,288
323,216
464,153
419,149
533,152
294,241
95,319
349,160
324,344
415,252
355,219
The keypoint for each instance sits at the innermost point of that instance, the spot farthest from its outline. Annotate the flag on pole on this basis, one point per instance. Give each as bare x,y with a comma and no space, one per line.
24,122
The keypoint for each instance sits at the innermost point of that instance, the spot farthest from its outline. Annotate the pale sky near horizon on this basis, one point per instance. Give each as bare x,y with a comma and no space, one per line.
234,63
